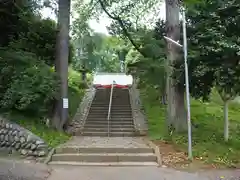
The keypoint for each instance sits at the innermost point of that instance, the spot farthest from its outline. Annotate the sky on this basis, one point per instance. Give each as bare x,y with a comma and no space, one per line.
101,25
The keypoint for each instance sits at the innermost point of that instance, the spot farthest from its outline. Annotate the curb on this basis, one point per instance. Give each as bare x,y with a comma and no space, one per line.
156,151
49,156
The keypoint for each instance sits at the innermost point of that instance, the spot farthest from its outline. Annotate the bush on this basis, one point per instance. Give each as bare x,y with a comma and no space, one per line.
75,79
27,84
75,90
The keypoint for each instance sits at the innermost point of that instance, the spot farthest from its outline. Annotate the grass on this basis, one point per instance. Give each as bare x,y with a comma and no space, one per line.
52,137
208,142
75,97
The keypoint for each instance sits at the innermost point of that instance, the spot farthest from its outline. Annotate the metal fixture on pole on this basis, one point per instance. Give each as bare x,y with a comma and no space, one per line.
184,46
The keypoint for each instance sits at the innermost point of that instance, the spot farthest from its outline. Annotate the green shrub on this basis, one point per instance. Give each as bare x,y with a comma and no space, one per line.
27,84
74,79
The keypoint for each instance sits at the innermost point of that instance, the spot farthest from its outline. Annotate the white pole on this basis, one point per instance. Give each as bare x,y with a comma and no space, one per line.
187,86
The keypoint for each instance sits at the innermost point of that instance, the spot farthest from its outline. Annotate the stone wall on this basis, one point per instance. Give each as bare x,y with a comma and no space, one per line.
14,138
79,119
139,118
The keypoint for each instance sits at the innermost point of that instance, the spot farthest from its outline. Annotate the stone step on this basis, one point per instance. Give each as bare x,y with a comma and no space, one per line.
102,107
114,118
107,105
114,164
121,110
78,149
87,125
112,115
105,129
111,125
98,113
124,96
93,109
105,121
112,112
118,124
105,134
121,114
109,157
112,121
115,96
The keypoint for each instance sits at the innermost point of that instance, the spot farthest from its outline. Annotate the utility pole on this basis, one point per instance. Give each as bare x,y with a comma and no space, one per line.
184,47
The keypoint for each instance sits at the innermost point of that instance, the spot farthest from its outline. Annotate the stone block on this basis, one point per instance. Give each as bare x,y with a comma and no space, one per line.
16,138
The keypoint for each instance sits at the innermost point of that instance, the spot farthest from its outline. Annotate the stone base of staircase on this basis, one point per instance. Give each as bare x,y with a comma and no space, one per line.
105,134
113,164
100,151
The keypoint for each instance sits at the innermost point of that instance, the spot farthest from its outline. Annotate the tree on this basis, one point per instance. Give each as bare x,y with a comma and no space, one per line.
176,110
61,66
215,51
27,83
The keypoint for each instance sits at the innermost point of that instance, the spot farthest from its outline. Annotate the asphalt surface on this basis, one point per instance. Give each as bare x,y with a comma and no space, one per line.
23,170
136,173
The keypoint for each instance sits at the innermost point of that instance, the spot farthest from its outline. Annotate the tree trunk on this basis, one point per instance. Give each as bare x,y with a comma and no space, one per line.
176,119
62,55
226,122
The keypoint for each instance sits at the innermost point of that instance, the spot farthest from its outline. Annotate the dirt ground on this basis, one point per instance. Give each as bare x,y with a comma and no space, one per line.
177,159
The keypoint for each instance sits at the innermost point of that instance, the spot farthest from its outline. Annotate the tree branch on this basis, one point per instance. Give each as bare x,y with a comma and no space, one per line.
125,31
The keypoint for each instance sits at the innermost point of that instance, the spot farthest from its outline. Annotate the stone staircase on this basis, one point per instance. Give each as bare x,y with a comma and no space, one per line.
104,151
95,148
121,121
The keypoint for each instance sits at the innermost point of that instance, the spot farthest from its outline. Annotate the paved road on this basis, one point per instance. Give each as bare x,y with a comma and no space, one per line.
134,173
21,170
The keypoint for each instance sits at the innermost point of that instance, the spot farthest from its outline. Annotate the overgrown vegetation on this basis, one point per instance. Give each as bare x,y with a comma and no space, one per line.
207,134
29,84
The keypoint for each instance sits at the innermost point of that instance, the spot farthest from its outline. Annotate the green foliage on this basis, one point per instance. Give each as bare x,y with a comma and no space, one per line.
97,52
40,39
14,17
30,84
214,51
150,69
208,133
74,79
75,90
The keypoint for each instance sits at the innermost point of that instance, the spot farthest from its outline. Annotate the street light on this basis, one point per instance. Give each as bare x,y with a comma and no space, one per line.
184,46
